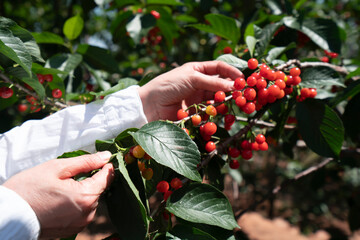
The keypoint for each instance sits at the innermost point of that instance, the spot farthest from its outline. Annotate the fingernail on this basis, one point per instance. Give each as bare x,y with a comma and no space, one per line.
229,85
105,155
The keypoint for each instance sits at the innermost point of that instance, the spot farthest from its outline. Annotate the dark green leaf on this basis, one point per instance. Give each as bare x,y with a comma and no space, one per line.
264,37
167,26
186,232
351,118
13,48
64,62
348,93
122,3
185,18
158,170
234,61
48,37
202,203
36,85
124,139
147,78
126,210
73,27
317,77
278,51
98,58
323,32
106,145
73,154
220,25
216,232
320,127
170,146
37,68
353,73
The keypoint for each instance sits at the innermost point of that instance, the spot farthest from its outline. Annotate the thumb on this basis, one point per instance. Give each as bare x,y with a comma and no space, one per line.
83,164
101,180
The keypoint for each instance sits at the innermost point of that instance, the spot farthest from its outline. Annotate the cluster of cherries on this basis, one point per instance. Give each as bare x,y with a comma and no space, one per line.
164,187
56,93
263,86
137,153
6,92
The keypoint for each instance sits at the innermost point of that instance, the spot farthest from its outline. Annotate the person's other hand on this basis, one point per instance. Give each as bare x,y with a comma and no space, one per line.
64,206
183,86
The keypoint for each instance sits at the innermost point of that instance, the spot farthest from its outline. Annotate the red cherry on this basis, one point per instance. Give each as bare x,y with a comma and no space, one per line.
41,78
48,77
313,93
271,75
234,152
251,81
295,71
280,83
219,96
167,195
256,75
245,145
261,83
240,101
234,164
239,83
236,94
6,92
250,94
210,128
249,108
56,93
227,50
289,80
176,183
263,93
260,138
253,63
280,75
288,90
162,186
296,80
181,114
255,146
22,107
264,146
274,90
334,55
324,59
305,92
222,109
196,120
155,14
229,119
281,94
210,146
246,154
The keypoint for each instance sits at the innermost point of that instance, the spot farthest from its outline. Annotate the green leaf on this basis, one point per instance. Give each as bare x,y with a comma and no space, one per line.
249,31
170,146
147,78
73,154
167,26
185,232
323,32
124,139
106,145
353,73
158,170
126,210
122,84
234,61
164,2
48,38
317,77
320,127
185,18
220,25
64,62
217,233
98,58
37,68
13,48
202,203
73,27
36,85
264,37
278,51
122,3
348,93
251,42
351,118
299,4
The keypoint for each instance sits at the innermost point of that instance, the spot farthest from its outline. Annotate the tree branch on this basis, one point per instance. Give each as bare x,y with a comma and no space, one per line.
27,91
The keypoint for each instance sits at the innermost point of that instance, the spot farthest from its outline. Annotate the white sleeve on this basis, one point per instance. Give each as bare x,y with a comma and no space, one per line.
73,128
17,219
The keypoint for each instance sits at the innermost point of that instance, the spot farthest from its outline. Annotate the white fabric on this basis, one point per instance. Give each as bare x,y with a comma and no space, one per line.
17,220
73,128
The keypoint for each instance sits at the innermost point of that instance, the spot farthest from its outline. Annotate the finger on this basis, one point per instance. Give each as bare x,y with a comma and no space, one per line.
212,83
70,167
101,180
218,68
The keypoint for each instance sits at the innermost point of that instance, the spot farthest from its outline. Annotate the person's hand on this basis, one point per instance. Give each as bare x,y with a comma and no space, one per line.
63,205
183,86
